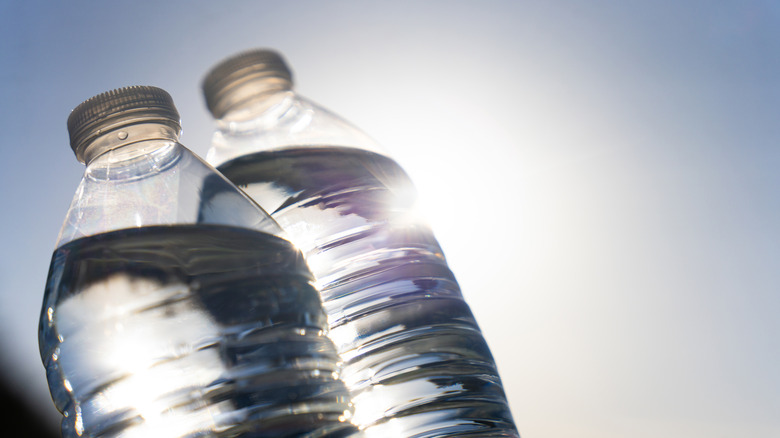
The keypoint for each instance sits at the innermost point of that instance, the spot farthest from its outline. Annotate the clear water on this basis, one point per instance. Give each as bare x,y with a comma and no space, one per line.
189,331
415,361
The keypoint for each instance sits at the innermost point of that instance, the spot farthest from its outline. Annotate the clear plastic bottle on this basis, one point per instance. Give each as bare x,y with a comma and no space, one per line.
174,307
415,361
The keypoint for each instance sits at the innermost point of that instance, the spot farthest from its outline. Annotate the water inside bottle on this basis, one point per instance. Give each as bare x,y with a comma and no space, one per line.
189,330
415,361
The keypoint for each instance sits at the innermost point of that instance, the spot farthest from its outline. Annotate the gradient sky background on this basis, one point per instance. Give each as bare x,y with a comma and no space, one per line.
603,177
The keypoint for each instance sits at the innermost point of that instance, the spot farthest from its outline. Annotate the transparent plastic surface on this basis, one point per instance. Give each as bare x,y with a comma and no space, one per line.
174,307
280,119
415,361
156,182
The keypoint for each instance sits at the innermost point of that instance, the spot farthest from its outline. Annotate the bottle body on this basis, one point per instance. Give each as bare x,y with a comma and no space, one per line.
188,330
415,361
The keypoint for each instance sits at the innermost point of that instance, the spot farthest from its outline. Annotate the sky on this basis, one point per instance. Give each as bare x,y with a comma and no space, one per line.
602,176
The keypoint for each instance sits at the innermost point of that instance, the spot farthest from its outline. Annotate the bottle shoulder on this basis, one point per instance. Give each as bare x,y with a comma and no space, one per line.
293,121
174,187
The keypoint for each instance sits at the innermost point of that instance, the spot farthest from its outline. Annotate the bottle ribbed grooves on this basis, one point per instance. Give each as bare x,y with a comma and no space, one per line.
117,108
244,76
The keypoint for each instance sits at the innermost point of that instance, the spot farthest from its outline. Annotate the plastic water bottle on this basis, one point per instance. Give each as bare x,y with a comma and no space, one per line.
168,314
415,361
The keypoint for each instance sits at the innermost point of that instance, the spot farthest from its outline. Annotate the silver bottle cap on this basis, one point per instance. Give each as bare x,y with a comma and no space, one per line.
116,109
243,77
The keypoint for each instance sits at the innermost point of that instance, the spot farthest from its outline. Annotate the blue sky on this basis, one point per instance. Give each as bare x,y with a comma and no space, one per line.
602,177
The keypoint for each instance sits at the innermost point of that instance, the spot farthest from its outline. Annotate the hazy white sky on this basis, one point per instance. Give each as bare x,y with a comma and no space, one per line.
602,177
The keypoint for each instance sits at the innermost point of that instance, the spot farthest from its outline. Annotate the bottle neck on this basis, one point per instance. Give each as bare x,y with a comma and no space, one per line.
259,112
132,151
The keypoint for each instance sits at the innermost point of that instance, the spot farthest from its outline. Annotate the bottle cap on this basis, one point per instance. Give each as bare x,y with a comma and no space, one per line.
243,77
119,108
